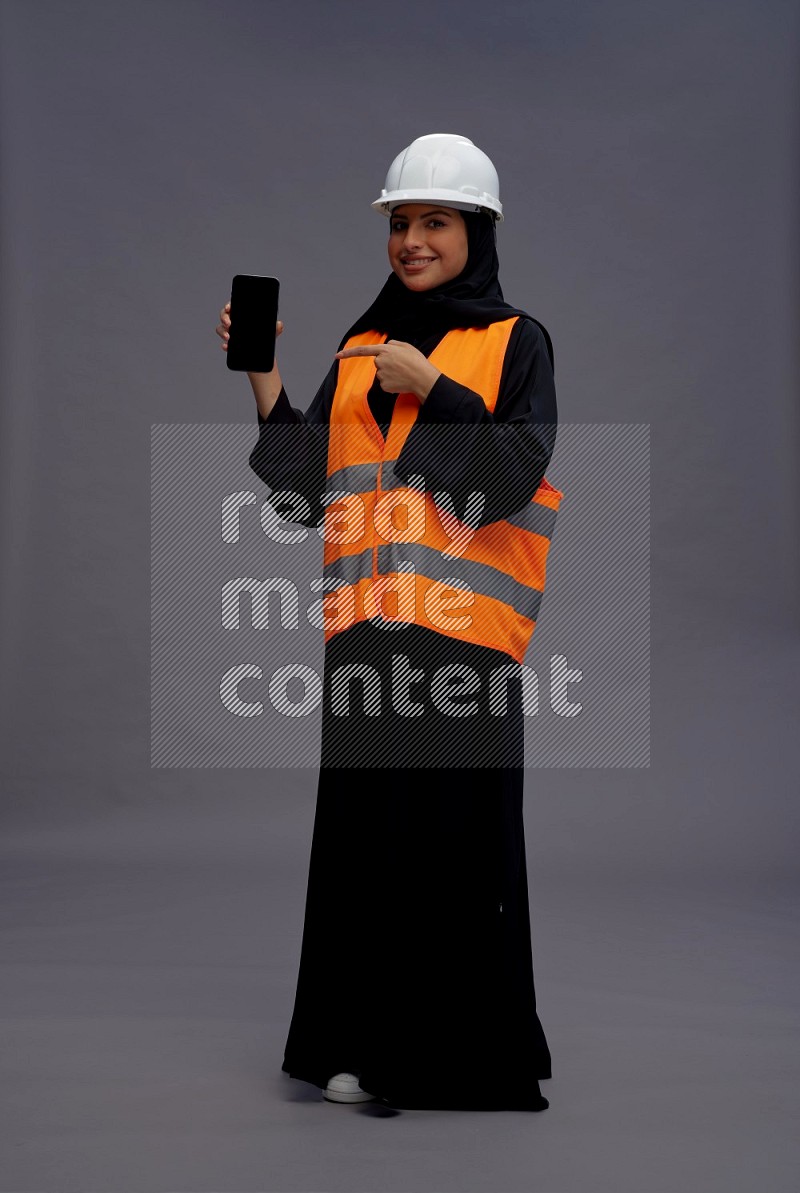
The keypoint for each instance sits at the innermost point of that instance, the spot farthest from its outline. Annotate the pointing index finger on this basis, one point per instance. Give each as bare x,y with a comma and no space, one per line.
359,350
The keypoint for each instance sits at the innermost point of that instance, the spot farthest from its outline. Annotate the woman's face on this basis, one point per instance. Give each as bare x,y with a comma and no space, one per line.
427,244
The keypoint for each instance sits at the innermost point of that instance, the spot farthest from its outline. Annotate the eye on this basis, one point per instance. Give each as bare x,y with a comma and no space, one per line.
439,223
398,226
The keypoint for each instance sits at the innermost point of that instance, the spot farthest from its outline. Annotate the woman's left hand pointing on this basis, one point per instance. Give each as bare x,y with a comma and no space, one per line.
401,368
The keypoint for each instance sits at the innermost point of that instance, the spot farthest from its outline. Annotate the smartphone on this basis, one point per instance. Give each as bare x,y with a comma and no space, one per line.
254,313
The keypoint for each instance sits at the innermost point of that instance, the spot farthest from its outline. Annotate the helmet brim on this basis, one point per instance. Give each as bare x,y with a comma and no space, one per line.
391,199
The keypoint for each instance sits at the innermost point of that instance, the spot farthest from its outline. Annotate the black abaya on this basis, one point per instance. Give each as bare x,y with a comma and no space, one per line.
416,967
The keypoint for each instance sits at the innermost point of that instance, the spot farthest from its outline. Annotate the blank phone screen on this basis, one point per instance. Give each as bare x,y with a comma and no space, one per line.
254,313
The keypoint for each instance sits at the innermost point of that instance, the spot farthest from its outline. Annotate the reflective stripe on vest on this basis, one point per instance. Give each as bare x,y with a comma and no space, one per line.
487,591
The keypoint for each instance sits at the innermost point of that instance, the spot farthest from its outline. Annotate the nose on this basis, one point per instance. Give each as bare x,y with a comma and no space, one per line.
412,239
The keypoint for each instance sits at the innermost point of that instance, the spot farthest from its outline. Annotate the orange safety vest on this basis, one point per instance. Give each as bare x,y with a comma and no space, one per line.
374,570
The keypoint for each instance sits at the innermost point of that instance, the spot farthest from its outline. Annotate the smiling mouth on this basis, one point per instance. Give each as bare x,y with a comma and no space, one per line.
416,263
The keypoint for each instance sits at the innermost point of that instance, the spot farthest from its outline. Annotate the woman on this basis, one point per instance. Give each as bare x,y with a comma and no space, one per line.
415,984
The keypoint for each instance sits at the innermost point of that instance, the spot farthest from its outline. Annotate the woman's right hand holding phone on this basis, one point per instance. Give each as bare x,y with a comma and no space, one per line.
266,386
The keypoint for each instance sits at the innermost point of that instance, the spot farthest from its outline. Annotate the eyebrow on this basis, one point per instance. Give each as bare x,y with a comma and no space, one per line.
425,214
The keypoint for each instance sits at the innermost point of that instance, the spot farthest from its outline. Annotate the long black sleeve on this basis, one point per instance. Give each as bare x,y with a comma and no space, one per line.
292,448
459,446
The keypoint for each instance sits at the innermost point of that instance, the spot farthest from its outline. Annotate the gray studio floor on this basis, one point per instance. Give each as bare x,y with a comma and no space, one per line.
150,951
145,1007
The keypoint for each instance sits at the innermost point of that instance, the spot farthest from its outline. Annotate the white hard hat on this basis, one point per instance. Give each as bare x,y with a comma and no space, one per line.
442,168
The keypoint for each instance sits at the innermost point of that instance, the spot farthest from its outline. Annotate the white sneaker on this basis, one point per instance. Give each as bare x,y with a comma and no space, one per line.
344,1087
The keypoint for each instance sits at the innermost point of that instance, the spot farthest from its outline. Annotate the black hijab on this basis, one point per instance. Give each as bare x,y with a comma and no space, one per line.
472,299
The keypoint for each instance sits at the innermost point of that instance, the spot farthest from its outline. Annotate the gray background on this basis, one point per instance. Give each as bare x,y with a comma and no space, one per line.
152,918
